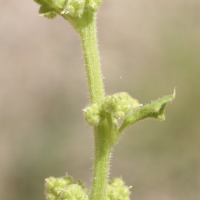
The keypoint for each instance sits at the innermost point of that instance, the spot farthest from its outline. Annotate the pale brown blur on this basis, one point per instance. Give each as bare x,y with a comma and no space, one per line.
147,49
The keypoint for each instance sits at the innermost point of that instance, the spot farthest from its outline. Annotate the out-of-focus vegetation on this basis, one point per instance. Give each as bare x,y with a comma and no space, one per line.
147,49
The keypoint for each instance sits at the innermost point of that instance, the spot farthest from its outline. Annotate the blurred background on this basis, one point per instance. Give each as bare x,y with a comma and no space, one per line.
147,49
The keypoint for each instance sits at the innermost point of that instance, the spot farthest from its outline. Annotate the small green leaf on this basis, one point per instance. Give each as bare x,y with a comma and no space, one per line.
50,8
45,9
154,110
40,2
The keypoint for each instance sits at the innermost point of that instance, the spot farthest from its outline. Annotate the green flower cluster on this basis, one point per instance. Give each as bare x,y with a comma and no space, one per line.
93,114
64,189
72,8
118,105
117,190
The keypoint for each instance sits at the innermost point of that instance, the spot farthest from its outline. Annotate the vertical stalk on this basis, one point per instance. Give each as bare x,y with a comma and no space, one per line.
91,55
101,163
87,32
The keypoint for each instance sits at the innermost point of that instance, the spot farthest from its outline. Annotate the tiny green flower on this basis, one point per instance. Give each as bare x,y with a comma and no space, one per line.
120,105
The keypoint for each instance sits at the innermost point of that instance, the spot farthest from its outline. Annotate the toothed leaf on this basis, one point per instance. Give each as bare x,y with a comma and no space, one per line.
154,110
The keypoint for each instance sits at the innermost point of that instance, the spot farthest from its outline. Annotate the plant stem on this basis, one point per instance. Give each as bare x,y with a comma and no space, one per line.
87,32
91,55
101,163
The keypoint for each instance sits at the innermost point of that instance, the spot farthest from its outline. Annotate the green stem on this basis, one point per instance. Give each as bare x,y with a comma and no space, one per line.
91,55
87,31
101,163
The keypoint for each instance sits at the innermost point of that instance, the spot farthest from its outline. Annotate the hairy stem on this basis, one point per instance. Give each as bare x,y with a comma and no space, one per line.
91,55
87,32
101,163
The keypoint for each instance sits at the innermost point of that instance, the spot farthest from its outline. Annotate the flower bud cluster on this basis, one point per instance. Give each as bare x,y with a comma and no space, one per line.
117,190
118,105
64,189
93,5
73,8
93,114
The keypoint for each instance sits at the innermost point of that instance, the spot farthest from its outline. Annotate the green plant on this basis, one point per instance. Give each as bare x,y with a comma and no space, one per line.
103,112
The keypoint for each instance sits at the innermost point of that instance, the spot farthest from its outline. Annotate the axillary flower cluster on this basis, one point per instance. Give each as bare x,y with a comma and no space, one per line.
72,8
118,105
65,188
104,111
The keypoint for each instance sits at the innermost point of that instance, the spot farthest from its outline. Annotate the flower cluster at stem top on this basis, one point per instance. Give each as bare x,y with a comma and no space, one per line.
72,8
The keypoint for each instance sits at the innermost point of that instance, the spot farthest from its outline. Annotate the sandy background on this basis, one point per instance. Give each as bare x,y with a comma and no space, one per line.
154,46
